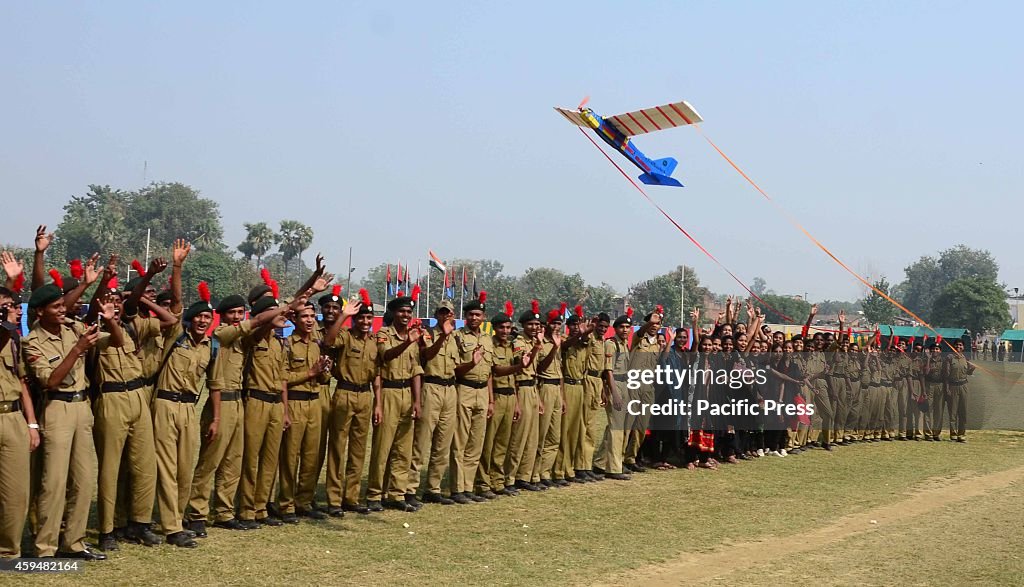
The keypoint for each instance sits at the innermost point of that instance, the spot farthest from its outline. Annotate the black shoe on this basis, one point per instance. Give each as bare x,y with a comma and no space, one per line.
120,534
394,504
357,508
888,439
88,554
488,494
410,499
579,477
108,543
827,447
181,539
312,514
273,511
190,533
508,491
198,527
461,499
597,471
249,525
231,524
595,475
561,483
431,497
638,468
374,506
546,483
527,486
335,511
140,533
617,476
268,521
475,497
290,519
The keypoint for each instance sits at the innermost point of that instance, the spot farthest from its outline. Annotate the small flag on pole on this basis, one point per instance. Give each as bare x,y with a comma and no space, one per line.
465,287
400,281
476,292
449,291
436,263
391,288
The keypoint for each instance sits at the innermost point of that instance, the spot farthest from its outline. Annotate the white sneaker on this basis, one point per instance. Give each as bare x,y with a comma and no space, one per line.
760,452
782,453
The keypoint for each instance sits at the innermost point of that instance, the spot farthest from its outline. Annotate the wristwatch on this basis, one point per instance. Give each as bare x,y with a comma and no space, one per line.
34,426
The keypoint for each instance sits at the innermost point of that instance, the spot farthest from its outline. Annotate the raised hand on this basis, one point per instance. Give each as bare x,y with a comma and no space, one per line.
448,326
110,271
180,251
91,272
320,266
107,308
695,315
814,310
556,337
351,309
89,338
156,266
12,266
43,238
478,355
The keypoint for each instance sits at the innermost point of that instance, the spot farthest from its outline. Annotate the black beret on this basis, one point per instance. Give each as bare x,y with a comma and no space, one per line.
474,305
70,283
263,304
132,283
500,318
230,303
365,309
529,316
328,298
45,296
402,302
164,296
574,319
623,319
258,292
196,309
604,317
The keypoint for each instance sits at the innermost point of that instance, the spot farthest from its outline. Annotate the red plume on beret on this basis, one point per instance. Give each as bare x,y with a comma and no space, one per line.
535,306
204,292
336,290
58,279
482,297
19,283
659,309
77,271
554,315
365,297
400,294
509,309
629,312
265,275
579,311
112,284
138,268
415,292
273,288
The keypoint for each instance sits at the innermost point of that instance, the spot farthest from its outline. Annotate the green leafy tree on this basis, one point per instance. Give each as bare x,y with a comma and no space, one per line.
774,306
928,277
174,210
294,238
759,286
877,309
665,290
259,237
975,303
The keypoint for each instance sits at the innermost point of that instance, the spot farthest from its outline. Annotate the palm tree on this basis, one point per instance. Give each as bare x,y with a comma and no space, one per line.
258,240
294,237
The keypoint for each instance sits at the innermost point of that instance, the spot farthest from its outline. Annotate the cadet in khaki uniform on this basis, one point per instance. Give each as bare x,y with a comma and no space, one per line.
330,308
915,392
644,353
934,388
395,408
816,373
592,389
476,401
523,443
356,369
569,463
266,417
435,428
608,462
901,374
841,387
955,371
490,477
19,432
877,395
124,425
550,395
55,356
306,371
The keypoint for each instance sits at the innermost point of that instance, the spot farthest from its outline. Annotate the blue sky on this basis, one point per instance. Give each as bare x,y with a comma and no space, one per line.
891,130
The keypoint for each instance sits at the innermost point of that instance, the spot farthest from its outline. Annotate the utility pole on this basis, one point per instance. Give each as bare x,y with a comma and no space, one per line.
682,296
348,279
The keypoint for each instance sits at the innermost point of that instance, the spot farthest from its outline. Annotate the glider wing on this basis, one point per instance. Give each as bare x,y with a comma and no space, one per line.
654,119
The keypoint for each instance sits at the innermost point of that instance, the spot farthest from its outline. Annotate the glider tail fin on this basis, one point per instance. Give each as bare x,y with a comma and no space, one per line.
659,179
665,166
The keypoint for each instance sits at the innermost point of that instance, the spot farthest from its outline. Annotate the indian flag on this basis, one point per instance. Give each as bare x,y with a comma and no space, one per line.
436,263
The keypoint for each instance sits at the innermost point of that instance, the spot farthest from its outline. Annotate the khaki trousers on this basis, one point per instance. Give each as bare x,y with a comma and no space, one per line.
549,431
434,431
591,404
176,434
957,405
470,432
392,446
351,414
613,445
936,408
262,448
840,392
69,476
570,448
124,417
491,472
14,482
523,442
299,447
220,462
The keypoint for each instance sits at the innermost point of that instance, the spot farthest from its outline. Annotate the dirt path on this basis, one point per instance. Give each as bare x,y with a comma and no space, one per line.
691,568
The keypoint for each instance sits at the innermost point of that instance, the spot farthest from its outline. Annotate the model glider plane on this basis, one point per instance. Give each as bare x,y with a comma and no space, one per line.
616,131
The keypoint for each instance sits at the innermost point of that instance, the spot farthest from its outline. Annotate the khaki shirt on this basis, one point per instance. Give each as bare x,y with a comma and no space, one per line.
616,356
645,352
521,347
356,360
554,370
814,365
12,371
124,364
404,366
230,364
186,362
956,370
504,356
44,352
153,350
447,358
466,343
595,353
574,359
301,357
840,363
266,366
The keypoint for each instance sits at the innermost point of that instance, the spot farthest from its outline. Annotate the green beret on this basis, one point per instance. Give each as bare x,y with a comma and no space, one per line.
263,304
402,302
230,303
196,309
44,296
500,318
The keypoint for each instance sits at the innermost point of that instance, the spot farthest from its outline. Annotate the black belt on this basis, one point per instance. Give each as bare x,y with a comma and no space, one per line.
549,381
349,386
885,382
571,381
182,397
473,384
396,383
446,381
523,383
964,382
68,396
10,407
619,377
303,396
114,386
230,396
263,396
933,380
593,373
504,390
